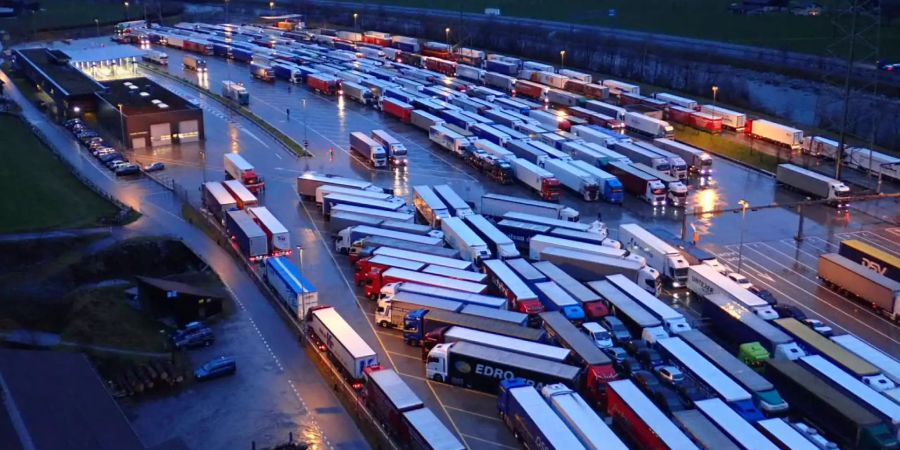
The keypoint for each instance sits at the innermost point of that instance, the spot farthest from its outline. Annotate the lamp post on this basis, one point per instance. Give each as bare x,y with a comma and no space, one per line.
562,58
271,6
97,23
447,35
122,125
126,10
305,129
715,91
355,16
744,206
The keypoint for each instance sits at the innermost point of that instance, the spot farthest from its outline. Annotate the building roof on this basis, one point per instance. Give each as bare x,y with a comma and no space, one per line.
54,66
105,53
56,401
182,288
130,94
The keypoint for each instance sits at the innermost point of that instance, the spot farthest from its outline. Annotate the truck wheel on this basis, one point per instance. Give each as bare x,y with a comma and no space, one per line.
437,378
383,324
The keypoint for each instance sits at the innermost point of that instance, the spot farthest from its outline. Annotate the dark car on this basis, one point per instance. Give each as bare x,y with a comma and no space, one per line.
790,311
628,366
203,337
110,157
765,295
616,328
155,167
650,358
215,368
666,399
71,123
128,169
689,392
617,354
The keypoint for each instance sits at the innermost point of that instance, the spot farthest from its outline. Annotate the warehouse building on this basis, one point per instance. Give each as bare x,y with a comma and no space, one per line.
72,92
181,301
144,114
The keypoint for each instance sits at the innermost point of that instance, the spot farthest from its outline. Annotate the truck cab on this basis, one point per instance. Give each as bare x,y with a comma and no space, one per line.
436,362
754,355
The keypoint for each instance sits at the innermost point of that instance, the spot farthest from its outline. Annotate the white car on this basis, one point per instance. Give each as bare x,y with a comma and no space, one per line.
819,327
741,280
599,335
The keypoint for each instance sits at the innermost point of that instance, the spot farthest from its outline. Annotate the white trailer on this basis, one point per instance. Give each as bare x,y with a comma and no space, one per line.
449,140
813,183
522,346
496,205
424,119
236,92
697,160
327,189
343,343
396,151
619,87
647,125
596,228
309,181
346,237
736,427
463,239
493,149
784,435
873,162
429,205
431,260
469,73
679,167
500,81
658,253
637,153
375,215
549,119
821,146
730,119
673,321
705,281
371,151
537,67
777,133
676,100
499,243
639,321
550,79
889,366
279,239
457,206
357,92
616,112
590,429
573,178
580,76
537,178
539,243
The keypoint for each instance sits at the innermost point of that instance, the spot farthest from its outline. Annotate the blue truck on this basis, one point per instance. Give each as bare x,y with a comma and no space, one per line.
457,118
554,298
521,232
288,72
262,72
502,67
295,291
532,419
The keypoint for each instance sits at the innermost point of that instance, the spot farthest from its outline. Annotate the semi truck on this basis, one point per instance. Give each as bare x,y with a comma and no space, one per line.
237,168
470,246
501,315
396,151
678,167
734,120
643,155
784,435
498,243
531,419
673,321
537,178
310,181
554,298
420,325
424,258
324,83
639,321
505,282
373,215
378,280
538,244
262,71
347,237
449,139
741,326
597,368
705,280
765,396
736,425
593,305
194,63
248,237
370,150
388,398
776,133
677,192
641,420
842,419
392,311
705,433
294,291
366,246
235,92
455,204
502,342
394,204
697,160
573,178
245,199
479,367
217,200
590,429
813,183
279,240
465,275
871,258
889,366
328,189
666,259
645,186
596,228
331,333
609,185
357,92
649,126
870,287
429,206
496,205
424,119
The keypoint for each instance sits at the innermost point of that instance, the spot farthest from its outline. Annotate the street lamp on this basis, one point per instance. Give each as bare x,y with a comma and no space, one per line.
447,35
744,206
715,90
126,10
355,16
271,5
97,23
562,58
305,129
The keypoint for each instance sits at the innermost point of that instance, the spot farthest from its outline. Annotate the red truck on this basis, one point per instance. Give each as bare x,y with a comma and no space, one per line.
597,368
596,118
323,83
706,121
396,108
641,420
530,90
388,398
586,89
381,263
237,168
378,278
506,283
441,66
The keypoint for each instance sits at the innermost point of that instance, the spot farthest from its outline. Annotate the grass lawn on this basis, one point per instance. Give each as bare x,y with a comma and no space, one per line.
101,317
708,19
41,193
725,147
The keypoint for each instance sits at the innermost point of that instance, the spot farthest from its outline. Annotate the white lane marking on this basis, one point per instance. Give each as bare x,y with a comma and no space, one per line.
793,244
249,133
277,155
488,441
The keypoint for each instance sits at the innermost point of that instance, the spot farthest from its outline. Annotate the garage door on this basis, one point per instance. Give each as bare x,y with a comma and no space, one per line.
138,142
188,131
160,134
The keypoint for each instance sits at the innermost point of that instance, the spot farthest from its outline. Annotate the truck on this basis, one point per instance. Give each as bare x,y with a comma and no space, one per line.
248,237
357,92
673,321
443,292
156,57
843,420
426,431
329,201
698,161
531,419
618,88
374,215
593,305
741,326
470,246
237,168
641,154
500,315
775,133
328,189
645,186
590,429
871,258
496,205
872,162
862,283
365,246
449,272
784,435
705,280
194,63
420,325
611,188
678,167
377,283
813,183
538,244
262,71
705,433
392,311
424,119
734,120
588,266
217,200
310,181
573,178
291,287
498,243
479,367
332,334
527,89
395,150
431,260
676,100
449,140
235,92
279,240
369,149
388,398
381,263
641,420
764,394
666,259
639,321
348,236
889,366
455,204
734,424
455,333
506,283
597,368
537,178
324,83
554,298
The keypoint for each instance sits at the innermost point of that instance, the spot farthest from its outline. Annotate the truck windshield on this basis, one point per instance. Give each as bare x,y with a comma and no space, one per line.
842,193
660,191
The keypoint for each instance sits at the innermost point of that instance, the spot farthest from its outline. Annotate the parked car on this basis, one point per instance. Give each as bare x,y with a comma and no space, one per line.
689,392
789,311
96,143
155,167
667,400
819,327
617,329
764,294
599,335
203,337
188,328
128,169
71,123
741,280
215,368
670,375
616,354
110,156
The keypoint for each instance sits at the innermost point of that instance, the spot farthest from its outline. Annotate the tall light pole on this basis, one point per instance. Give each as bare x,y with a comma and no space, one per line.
97,23
126,10
271,6
355,16
744,206
122,125
447,35
562,58
305,129
715,90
